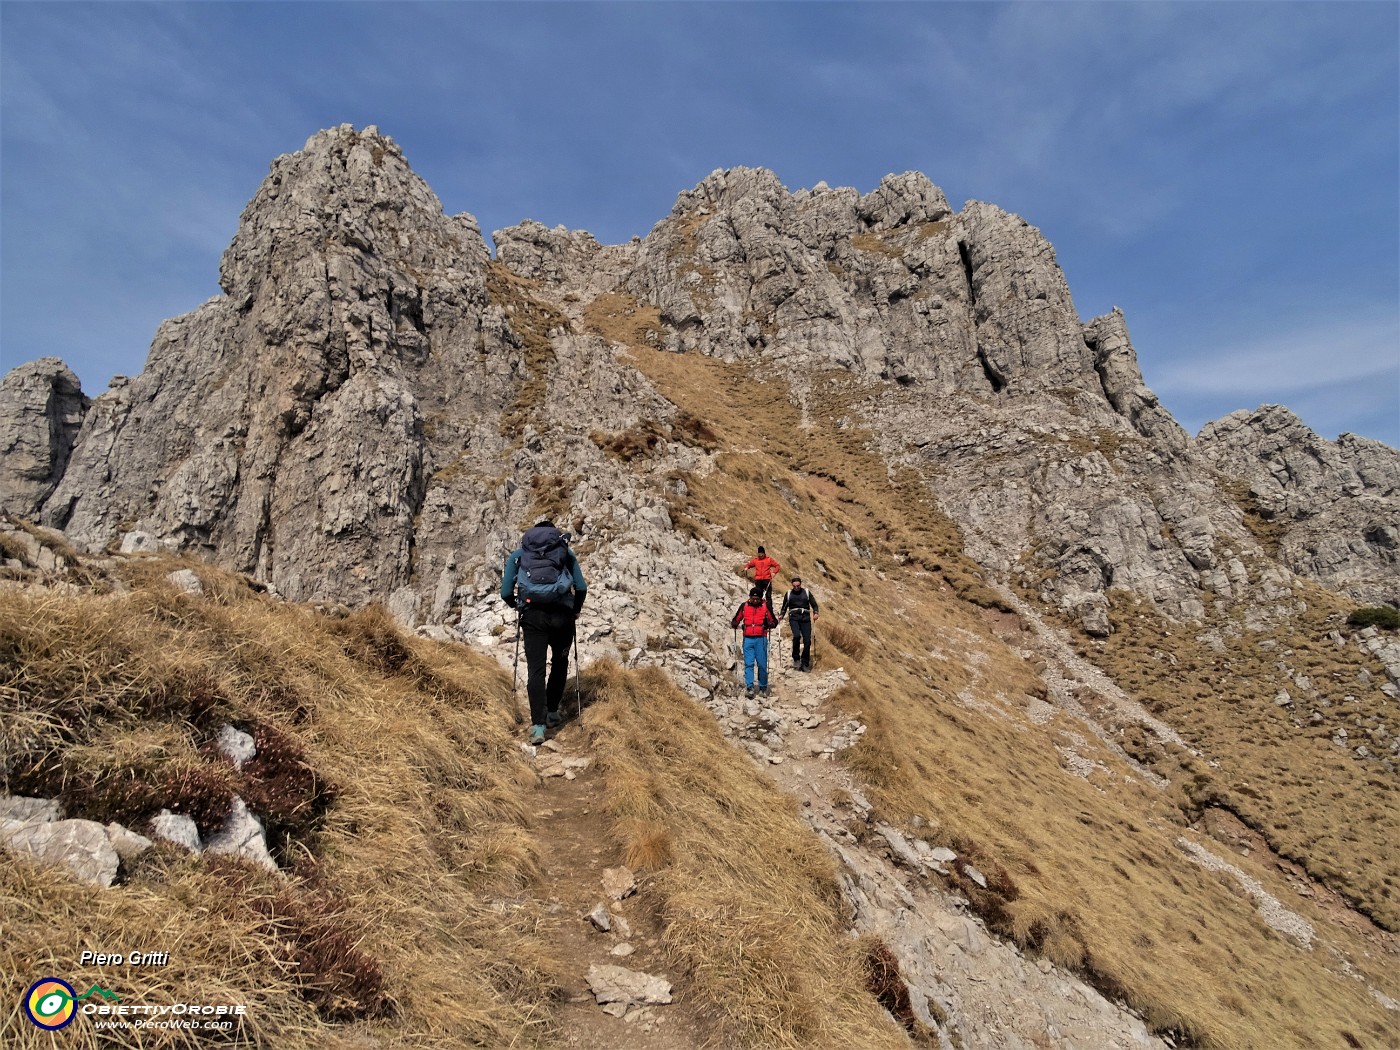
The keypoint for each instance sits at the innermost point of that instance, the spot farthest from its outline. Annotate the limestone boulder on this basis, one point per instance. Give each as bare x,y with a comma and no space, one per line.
81,846
42,406
242,836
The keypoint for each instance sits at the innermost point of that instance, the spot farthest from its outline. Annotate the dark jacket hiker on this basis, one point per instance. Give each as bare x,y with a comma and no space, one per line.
800,607
544,583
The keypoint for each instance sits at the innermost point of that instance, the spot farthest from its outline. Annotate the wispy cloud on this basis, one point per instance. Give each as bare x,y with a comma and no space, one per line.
1335,376
1288,361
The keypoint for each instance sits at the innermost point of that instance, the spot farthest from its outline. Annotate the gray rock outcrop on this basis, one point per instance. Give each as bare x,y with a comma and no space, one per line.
1334,507
283,428
242,836
41,412
617,984
177,828
81,846
374,407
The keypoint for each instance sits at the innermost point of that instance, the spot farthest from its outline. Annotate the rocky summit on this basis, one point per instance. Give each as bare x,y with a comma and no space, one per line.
906,395
369,408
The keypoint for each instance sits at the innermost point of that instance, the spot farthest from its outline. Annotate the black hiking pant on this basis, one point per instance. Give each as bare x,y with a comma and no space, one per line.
547,633
801,639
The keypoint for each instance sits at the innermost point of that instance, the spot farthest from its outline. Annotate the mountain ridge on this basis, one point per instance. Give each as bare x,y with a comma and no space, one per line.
902,402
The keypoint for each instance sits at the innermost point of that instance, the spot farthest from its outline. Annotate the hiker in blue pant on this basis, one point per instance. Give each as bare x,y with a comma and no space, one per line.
756,617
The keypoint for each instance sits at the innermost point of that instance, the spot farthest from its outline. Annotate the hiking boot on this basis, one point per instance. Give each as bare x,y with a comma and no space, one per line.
748,691
552,719
537,734
766,693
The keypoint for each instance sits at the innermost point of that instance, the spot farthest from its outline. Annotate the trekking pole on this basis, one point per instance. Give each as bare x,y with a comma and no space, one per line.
738,657
578,674
515,672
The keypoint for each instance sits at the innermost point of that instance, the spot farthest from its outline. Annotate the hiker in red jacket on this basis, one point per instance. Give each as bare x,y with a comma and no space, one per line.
764,569
756,617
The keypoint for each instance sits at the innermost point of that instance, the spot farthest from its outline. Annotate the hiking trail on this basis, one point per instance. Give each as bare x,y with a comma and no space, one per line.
965,983
567,801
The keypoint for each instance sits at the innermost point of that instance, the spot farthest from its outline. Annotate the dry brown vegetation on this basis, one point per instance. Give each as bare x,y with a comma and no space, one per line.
1267,530
748,897
409,913
531,320
1085,872
1331,811
393,787
646,435
618,317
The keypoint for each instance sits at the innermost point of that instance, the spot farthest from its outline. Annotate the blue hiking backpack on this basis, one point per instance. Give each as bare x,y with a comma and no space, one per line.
545,577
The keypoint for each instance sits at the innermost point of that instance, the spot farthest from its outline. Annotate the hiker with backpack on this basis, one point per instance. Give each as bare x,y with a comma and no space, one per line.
756,617
544,583
800,607
764,569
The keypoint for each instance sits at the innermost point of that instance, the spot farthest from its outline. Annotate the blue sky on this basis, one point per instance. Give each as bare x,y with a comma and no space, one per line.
1226,173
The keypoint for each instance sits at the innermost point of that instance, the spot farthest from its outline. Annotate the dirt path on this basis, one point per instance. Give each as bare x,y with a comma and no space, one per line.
979,985
576,853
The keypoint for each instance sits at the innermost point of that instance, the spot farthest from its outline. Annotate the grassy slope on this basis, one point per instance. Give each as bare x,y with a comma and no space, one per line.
1088,873
1277,767
748,896
399,804
410,827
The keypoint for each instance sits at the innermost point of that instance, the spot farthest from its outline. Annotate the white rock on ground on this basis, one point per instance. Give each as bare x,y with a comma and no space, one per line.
242,836
617,984
619,883
177,828
186,580
81,846
237,745
23,809
128,844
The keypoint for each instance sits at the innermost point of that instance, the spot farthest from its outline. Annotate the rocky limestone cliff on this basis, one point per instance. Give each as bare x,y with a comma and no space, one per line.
41,411
374,405
1325,509
285,427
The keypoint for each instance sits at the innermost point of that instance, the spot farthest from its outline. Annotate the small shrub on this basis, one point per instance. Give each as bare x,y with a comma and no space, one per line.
313,941
639,439
848,641
1383,616
133,796
12,547
884,981
282,788
371,637
693,431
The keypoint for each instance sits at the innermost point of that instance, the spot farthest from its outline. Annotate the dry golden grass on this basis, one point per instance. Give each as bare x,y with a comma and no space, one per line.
850,642
1085,872
55,541
1268,531
619,318
531,320
1333,812
405,818
748,896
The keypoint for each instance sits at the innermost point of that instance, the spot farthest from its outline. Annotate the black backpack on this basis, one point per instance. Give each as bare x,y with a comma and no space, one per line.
544,578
